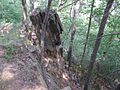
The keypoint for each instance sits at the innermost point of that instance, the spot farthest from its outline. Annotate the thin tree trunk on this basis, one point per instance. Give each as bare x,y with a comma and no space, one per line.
44,27
97,43
71,45
31,5
73,30
84,49
24,12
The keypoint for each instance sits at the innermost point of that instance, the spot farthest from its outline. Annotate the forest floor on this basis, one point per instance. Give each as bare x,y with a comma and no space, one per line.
20,73
19,70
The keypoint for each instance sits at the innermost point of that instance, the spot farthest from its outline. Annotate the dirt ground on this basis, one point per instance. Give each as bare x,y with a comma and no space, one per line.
21,73
18,73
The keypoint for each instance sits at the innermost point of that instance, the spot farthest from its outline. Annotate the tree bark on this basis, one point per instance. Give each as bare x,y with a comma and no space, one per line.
44,27
86,40
97,43
31,5
73,30
71,45
24,12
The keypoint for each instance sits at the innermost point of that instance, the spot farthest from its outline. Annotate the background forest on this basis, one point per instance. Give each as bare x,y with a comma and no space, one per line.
81,20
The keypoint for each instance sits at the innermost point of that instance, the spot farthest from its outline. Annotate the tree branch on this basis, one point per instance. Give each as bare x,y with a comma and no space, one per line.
68,5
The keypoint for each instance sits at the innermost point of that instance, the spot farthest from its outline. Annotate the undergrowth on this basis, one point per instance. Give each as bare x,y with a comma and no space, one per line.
10,51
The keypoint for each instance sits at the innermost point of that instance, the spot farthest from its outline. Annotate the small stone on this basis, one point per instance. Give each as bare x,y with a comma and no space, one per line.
31,48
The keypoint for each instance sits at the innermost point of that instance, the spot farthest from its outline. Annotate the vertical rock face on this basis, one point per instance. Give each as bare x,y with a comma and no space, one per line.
54,29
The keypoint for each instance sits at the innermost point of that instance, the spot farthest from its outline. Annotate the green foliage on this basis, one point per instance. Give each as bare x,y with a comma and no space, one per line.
109,63
10,11
10,50
10,37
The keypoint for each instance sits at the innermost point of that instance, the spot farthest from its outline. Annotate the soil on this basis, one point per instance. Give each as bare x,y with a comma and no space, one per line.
19,73
2,51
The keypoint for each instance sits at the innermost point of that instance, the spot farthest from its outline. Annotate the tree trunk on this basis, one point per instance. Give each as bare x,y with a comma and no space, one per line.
70,47
97,43
84,49
73,30
44,27
31,5
24,12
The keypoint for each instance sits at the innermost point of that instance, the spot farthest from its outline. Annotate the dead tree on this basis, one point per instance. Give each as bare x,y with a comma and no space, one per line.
97,43
49,40
53,29
48,28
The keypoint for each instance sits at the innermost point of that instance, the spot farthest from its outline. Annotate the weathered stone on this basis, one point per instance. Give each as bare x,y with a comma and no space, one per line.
66,88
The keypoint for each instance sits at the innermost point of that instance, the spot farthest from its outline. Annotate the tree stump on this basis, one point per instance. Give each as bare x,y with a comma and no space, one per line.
53,31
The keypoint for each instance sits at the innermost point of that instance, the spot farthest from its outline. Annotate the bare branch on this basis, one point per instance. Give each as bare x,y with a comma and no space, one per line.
68,5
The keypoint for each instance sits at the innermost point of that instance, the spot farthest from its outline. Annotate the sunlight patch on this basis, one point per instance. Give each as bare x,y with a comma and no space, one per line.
65,76
35,88
7,74
47,60
40,88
